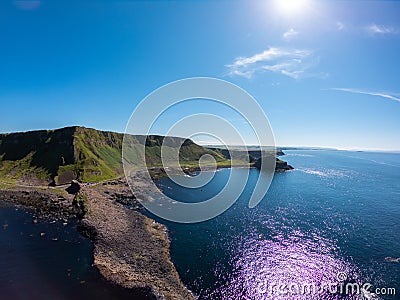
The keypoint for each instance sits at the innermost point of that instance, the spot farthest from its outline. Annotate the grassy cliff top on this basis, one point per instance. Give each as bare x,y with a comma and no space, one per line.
89,155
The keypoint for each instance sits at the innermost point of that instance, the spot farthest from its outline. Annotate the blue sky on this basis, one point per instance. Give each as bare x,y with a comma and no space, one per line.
325,72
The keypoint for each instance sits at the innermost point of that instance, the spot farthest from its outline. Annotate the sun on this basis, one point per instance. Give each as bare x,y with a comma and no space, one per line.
291,7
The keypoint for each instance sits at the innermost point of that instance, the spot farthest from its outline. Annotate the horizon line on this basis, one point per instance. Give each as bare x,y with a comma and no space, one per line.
204,143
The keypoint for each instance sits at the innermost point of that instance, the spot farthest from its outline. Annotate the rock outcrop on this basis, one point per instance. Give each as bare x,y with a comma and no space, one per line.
131,249
281,166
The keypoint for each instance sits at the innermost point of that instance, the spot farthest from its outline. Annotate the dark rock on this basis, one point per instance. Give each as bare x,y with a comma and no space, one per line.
74,188
87,230
65,177
280,166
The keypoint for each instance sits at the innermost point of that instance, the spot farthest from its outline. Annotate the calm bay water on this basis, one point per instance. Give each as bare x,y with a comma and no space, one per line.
338,212
49,261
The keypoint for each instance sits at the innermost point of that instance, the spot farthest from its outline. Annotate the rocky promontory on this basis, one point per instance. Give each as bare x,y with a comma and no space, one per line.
130,249
41,170
47,203
280,166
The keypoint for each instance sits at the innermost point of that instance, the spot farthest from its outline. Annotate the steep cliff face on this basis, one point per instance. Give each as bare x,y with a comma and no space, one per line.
35,155
281,166
97,156
89,155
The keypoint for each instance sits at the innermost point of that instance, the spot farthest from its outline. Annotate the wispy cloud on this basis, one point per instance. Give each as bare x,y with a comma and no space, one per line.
378,94
27,4
380,29
340,26
372,29
290,34
294,63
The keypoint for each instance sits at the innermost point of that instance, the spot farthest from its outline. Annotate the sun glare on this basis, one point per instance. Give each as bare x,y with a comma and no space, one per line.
290,7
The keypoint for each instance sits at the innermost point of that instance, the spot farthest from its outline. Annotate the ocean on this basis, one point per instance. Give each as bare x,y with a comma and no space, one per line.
331,224
47,261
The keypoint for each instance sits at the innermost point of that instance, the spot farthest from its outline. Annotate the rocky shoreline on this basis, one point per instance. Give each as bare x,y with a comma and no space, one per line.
47,204
130,249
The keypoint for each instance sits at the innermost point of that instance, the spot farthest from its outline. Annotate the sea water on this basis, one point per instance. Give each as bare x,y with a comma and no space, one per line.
333,221
49,260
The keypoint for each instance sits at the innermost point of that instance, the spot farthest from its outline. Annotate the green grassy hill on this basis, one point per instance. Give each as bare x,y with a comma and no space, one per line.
255,157
89,155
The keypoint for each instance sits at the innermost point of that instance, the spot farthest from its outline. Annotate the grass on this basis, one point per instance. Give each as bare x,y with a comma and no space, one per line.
5,185
90,155
59,192
35,153
81,200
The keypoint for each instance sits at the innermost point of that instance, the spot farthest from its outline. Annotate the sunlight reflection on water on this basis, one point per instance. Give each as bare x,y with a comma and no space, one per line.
280,266
309,228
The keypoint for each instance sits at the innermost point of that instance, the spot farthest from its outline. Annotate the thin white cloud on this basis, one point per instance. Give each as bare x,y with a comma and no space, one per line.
380,29
340,26
290,34
27,4
378,94
294,63
372,29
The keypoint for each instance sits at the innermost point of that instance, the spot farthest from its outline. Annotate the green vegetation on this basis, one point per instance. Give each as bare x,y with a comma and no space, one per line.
97,154
88,155
4,185
80,198
80,201
35,155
